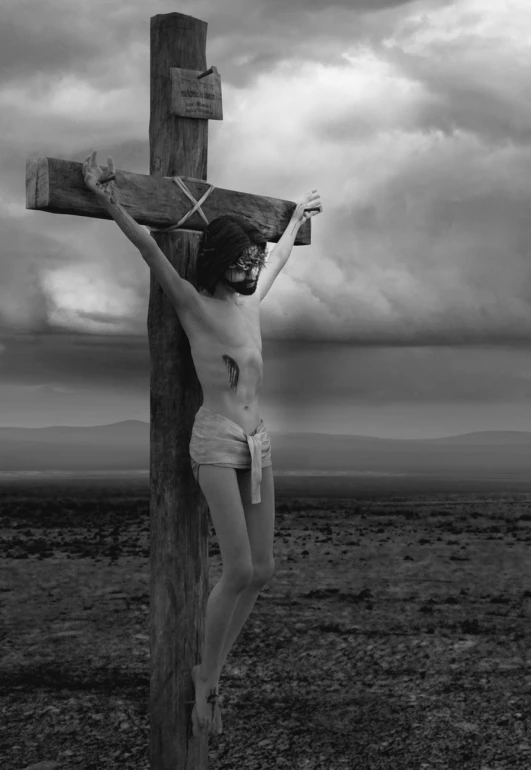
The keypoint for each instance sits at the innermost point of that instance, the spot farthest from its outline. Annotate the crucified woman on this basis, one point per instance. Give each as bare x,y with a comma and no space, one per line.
230,449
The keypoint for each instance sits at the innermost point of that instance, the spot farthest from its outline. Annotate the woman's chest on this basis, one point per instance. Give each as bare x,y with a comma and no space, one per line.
231,329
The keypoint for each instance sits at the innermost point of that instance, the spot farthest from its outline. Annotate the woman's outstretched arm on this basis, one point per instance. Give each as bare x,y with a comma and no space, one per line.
180,292
308,206
105,190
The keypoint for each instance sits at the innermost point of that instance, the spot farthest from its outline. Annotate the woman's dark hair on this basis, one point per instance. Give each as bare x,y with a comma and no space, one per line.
224,241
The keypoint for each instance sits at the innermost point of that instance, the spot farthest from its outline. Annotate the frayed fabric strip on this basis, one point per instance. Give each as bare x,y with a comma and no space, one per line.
196,207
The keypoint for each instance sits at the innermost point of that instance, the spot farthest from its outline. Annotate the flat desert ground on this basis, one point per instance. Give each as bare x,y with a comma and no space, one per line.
395,633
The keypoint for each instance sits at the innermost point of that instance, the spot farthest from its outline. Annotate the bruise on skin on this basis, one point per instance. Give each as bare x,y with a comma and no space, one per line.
234,371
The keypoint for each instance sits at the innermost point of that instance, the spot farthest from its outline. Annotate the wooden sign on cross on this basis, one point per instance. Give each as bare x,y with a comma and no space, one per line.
178,512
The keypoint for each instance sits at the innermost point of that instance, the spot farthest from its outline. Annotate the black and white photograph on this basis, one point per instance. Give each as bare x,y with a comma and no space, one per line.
265,385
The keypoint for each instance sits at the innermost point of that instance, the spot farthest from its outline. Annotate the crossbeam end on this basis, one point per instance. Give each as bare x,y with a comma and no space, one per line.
37,183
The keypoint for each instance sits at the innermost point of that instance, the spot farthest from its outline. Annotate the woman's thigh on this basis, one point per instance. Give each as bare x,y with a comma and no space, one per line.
220,488
259,517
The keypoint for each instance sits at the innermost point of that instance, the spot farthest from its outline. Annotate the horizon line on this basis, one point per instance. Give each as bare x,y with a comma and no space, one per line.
286,433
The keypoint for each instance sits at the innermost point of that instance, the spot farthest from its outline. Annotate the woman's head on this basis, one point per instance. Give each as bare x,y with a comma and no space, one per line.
229,241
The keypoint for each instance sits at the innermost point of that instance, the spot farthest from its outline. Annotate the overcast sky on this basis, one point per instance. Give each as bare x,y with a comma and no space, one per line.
410,313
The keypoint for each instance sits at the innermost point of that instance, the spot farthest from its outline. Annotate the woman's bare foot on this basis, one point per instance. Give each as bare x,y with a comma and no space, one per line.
206,711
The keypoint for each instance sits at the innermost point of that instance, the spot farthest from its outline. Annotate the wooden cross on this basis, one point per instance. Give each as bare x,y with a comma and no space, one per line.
178,135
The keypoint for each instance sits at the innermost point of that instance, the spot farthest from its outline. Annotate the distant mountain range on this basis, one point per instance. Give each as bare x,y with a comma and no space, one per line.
125,446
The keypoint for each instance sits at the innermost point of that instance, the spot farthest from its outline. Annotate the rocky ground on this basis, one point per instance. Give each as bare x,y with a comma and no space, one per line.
394,635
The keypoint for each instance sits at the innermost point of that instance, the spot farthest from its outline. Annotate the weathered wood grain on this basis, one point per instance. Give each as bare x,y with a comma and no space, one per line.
178,510
37,183
57,186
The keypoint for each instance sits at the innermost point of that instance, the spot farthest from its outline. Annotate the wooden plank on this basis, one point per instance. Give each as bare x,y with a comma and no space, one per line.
178,510
37,183
194,98
57,186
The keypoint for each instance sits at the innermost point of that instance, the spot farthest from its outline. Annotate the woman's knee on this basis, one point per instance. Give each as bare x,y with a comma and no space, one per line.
263,572
238,575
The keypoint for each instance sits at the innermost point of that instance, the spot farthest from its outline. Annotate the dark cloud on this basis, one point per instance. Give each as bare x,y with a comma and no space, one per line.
412,240
75,361
474,78
30,50
449,103
306,371
493,116
300,7
62,37
41,42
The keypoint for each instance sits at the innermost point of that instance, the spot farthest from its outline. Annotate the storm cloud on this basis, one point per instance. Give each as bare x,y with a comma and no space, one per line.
411,120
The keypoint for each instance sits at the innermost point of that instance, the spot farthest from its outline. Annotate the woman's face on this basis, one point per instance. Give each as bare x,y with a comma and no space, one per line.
236,274
247,266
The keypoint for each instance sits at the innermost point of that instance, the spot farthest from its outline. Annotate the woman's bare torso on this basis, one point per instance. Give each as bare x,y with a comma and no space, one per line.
226,348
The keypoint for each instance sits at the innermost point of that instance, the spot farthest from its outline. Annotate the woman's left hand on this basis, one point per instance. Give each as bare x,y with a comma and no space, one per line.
96,178
308,206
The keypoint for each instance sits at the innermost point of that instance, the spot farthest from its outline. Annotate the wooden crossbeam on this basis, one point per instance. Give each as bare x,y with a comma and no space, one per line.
58,186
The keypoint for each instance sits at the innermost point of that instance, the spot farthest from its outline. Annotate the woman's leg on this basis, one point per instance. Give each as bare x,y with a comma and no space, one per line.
260,523
220,488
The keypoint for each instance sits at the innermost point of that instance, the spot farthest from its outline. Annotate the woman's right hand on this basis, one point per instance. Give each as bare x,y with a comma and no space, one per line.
94,176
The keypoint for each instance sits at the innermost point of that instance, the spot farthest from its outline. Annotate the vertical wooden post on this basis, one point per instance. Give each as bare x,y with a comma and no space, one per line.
178,512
